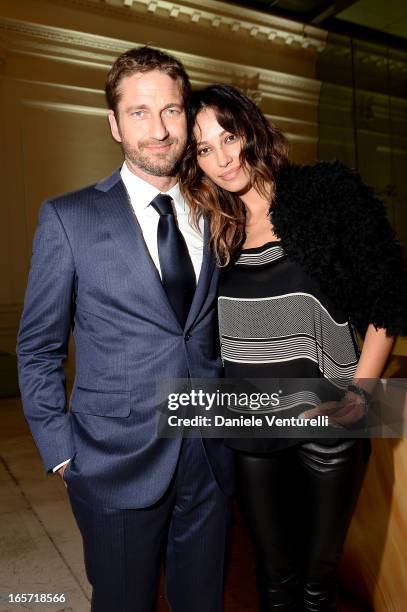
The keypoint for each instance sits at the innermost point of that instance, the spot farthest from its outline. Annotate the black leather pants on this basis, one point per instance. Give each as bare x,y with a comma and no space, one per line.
297,504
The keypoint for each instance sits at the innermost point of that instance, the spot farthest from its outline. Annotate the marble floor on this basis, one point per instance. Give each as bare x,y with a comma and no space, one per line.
40,545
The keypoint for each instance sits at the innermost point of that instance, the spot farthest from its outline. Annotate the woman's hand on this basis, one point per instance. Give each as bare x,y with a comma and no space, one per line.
346,412
353,406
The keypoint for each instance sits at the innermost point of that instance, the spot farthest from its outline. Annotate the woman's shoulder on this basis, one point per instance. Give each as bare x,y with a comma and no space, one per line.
304,191
324,185
320,173
318,205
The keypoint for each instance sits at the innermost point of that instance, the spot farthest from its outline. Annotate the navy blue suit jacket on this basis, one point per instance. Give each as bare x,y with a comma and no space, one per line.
91,271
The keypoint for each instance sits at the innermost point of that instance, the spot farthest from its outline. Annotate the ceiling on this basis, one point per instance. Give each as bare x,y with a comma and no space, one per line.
374,19
389,17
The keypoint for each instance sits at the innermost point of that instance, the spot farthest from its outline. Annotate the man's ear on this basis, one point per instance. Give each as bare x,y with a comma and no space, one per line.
114,128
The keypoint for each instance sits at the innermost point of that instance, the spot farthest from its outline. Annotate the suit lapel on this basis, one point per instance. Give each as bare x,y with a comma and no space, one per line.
208,264
119,220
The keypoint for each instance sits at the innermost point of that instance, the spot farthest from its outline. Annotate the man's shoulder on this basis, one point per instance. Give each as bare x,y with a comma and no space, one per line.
84,195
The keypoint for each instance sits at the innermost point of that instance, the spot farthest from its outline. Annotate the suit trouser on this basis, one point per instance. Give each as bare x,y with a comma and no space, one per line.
188,527
297,504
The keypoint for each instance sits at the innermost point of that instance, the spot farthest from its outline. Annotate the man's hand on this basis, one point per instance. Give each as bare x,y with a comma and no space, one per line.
62,470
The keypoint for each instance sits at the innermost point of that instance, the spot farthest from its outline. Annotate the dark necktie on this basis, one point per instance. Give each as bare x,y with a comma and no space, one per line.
177,272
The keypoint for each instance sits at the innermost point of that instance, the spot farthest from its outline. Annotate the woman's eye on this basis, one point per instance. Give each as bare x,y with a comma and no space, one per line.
203,151
231,138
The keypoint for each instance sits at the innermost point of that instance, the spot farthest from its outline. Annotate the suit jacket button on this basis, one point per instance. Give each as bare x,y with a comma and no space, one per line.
187,337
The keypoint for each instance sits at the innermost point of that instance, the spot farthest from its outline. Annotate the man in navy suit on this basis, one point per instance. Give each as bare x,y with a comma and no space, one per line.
120,265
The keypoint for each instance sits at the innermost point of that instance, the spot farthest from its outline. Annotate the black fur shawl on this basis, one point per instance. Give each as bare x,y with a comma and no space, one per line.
331,224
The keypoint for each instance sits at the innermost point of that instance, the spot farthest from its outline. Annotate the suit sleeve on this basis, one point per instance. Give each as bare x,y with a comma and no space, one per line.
375,267
42,343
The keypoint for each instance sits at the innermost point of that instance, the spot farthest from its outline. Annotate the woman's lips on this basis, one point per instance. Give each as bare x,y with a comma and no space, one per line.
230,174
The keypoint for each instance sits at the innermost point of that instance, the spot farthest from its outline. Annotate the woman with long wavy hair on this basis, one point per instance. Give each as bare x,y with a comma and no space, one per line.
307,255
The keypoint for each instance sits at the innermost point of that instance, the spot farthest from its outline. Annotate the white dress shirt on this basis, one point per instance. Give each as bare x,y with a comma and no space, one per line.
141,194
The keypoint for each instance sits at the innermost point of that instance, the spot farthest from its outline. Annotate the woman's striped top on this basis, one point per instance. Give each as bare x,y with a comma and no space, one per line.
274,322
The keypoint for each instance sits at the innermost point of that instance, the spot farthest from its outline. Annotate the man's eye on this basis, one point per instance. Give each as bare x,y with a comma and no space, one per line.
172,111
138,114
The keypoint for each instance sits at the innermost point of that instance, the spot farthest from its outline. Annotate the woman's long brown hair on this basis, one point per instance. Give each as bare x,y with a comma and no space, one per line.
264,152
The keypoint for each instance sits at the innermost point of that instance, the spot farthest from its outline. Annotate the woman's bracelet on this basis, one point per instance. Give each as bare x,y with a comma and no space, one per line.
367,398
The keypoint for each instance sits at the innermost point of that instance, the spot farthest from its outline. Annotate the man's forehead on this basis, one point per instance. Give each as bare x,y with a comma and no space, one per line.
150,85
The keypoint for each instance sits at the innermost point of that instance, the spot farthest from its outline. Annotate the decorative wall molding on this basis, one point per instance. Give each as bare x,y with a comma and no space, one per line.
100,51
232,22
66,108
43,37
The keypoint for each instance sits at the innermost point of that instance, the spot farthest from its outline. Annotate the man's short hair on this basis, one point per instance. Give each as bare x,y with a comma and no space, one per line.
144,59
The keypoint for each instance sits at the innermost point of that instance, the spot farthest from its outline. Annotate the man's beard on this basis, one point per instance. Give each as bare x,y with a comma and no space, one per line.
166,164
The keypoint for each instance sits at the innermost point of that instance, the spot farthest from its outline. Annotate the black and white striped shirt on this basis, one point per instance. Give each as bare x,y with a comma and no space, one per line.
275,322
